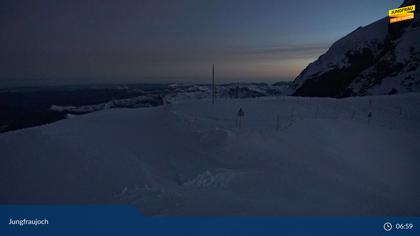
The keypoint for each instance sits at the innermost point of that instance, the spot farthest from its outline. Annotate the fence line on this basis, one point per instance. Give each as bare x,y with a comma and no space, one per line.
281,120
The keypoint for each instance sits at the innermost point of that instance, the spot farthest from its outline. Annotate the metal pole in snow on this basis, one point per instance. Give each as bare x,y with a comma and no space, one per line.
213,88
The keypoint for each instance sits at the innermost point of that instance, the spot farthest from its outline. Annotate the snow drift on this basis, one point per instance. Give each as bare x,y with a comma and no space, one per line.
292,156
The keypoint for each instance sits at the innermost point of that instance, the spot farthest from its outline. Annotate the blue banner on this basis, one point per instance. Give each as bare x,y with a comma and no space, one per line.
127,220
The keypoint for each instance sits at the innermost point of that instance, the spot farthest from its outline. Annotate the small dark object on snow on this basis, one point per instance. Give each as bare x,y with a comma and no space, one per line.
240,114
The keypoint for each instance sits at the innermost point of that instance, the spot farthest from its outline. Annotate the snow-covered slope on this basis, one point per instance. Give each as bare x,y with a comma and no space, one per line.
372,60
180,92
291,156
136,102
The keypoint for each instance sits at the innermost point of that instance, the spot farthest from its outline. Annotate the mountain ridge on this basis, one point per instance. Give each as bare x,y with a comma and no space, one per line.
380,58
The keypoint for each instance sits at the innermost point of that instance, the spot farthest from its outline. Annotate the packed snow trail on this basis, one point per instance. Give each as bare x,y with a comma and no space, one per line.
327,157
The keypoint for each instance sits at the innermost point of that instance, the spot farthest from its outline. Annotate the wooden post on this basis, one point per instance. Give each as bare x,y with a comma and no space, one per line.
240,114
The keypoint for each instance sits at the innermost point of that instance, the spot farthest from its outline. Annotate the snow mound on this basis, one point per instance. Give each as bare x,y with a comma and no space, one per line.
289,156
219,179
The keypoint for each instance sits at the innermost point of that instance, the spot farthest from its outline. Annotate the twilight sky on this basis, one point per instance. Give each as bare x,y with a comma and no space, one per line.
81,41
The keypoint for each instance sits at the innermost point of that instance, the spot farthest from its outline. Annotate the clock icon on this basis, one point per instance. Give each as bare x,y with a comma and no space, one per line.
387,226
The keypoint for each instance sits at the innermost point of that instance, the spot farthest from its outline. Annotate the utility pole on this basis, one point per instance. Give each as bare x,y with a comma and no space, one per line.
212,87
